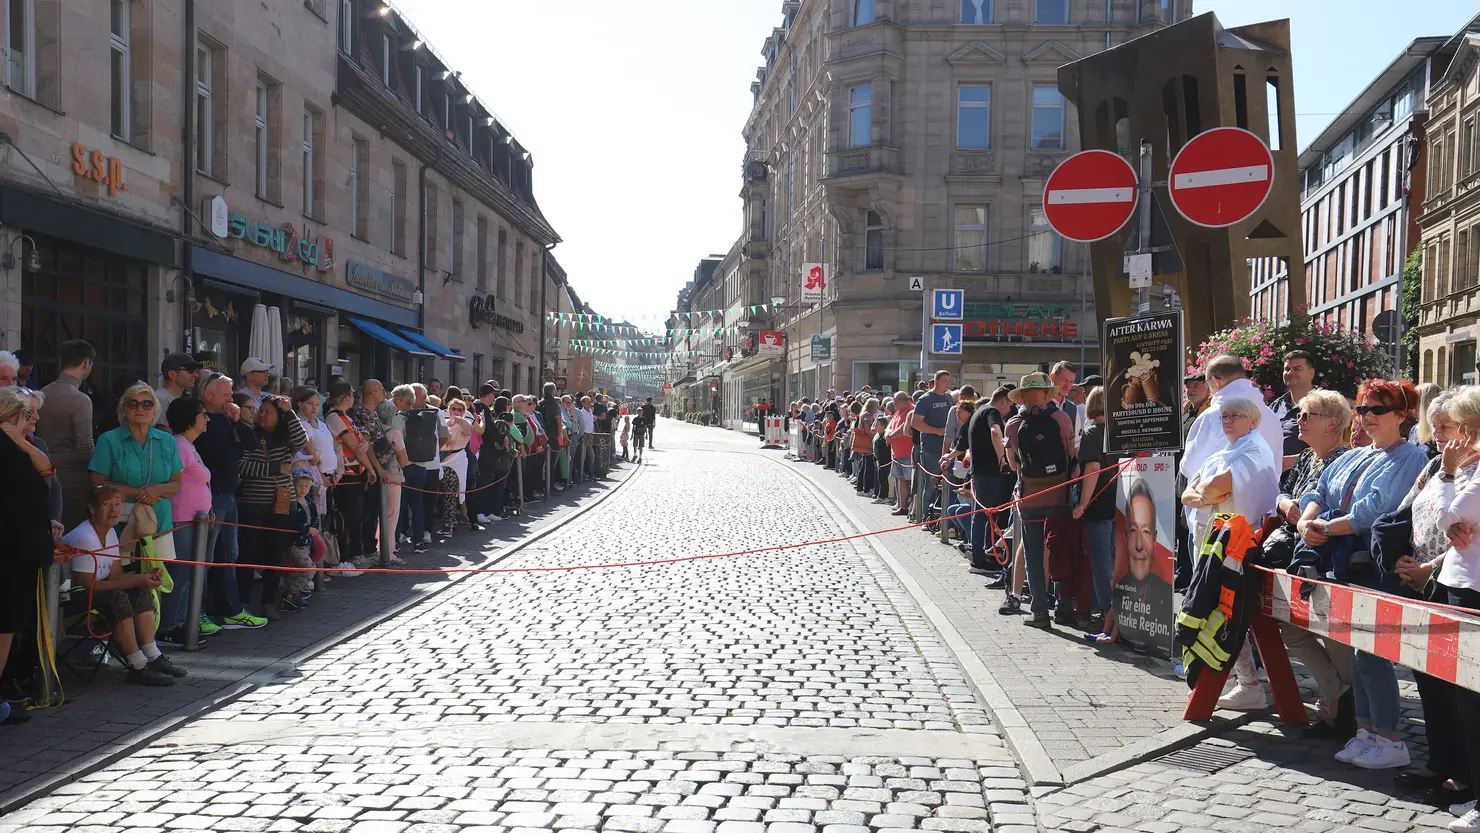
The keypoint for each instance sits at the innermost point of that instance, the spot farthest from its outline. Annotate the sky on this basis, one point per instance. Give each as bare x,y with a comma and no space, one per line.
633,111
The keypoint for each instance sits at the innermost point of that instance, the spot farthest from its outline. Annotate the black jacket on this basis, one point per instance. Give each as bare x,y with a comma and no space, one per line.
1210,629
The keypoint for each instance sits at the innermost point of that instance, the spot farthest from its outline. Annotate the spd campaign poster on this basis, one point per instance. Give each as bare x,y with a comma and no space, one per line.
1145,553
1143,387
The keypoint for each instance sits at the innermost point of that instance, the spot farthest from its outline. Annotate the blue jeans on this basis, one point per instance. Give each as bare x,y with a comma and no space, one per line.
174,605
1033,553
987,490
225,598
413,504
1375,687
1101,538
962,525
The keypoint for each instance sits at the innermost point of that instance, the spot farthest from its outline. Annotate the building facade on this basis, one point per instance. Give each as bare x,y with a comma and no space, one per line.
314,164
1361,180
892,140
1450,216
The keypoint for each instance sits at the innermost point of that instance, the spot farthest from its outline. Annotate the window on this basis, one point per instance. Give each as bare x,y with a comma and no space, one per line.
313,175
118,54
209,160
534,280
1045,247
21,40
1051,12
973,117
863,12
503,264
1469,147
860,116
482,264
387,50
263,138
419,84
359,187
976,12
398,207
971,238
873,243
519,274
347,26
429,252
1048,118
457,240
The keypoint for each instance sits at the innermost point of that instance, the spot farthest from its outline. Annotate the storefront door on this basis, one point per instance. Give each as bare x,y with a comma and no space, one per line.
223,327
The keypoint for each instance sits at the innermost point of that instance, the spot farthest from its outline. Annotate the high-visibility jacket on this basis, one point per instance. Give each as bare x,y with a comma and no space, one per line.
1223,594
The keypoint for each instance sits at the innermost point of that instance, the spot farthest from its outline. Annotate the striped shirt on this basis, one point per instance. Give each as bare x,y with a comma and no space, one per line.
263,475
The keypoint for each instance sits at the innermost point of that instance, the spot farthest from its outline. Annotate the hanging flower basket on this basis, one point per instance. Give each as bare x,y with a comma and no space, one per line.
1343,358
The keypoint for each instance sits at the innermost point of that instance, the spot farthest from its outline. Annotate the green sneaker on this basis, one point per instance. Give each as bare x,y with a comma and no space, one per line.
242,621
207,627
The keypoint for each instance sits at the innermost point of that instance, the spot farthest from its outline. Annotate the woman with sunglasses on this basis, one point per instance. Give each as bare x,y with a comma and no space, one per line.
141,460
1335,527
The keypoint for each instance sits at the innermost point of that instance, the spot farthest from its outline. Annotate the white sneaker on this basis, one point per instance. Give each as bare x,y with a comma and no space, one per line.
482,519
1244,698
1355,746
1462,809
1467,823
492,518
1383,754
346,569
426,537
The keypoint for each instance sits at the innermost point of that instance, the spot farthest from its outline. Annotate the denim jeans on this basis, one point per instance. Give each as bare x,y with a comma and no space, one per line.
987,491
1033,556
961,524
1375,686
225,598
1101,538
413,503
174,605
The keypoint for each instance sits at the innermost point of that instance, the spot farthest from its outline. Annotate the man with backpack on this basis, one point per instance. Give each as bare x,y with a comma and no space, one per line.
1040,442
422,429
495,460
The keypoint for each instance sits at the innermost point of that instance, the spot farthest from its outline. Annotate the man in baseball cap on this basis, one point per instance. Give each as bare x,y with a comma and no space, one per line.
178,373
254,378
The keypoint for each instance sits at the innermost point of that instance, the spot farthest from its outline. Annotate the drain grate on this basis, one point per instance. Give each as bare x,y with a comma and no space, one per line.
1206,758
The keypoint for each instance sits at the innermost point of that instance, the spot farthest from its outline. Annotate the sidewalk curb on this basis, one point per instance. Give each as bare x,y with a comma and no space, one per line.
43,785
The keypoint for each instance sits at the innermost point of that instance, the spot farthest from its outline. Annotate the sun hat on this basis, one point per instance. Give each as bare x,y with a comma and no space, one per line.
1033,381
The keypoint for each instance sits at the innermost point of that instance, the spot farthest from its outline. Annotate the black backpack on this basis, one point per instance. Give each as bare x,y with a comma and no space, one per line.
421,435
1040,446
498,442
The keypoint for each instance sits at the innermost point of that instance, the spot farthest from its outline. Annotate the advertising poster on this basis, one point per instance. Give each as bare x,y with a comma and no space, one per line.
1145,530
1143,388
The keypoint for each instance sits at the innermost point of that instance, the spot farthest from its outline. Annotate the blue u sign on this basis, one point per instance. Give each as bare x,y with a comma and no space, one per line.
945,339
949,304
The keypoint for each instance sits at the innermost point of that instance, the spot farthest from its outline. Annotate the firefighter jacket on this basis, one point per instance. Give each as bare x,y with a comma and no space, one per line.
1223,594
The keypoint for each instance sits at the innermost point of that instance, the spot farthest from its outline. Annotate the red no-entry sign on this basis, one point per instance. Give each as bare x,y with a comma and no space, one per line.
1090,195
1221,177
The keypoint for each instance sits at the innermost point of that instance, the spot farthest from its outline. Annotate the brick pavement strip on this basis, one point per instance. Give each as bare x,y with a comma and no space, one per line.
785,692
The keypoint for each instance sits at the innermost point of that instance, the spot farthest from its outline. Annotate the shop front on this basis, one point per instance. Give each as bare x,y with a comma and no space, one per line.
84,274
747,383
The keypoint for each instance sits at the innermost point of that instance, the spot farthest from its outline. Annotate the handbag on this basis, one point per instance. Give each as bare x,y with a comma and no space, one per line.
282,497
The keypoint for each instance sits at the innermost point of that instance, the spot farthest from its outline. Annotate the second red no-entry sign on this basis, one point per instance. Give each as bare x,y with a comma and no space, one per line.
1221,177
1090,195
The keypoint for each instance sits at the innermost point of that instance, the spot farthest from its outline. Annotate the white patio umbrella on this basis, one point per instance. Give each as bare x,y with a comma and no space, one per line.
275,338
257,343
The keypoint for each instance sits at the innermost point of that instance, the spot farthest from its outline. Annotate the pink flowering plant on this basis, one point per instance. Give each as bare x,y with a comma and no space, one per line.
1343,358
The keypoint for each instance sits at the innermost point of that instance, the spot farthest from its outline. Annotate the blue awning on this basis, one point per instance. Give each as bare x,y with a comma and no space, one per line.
427,344
388,338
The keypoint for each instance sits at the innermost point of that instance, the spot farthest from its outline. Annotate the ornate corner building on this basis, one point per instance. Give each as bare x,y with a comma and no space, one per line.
895,139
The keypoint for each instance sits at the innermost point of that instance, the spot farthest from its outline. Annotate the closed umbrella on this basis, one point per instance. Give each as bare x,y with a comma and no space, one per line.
275,338
257,344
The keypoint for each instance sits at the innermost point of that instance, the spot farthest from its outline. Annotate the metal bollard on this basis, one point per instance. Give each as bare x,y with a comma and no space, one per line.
945,503
387,535
519,481
197,581
549,454
53,589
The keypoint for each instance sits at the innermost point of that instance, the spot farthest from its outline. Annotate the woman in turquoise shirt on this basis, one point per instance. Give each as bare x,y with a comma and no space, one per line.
141,460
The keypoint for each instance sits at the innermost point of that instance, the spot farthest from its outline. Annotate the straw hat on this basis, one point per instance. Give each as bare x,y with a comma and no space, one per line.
1033,381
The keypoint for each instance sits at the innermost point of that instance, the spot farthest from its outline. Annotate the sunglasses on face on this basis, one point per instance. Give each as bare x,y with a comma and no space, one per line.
28,414
139,404
1305,415
1375,410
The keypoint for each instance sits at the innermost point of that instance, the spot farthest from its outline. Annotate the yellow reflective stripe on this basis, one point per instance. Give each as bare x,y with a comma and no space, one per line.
1187,620
1215,664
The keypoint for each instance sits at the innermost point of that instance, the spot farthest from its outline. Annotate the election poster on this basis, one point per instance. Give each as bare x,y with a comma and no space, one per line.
1145,547
1143,388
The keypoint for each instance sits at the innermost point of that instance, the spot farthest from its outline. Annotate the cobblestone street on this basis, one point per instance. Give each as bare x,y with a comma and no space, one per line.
788,691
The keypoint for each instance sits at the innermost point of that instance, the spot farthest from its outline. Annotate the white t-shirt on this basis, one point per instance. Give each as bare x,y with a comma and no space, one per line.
84,537
165,398
321,443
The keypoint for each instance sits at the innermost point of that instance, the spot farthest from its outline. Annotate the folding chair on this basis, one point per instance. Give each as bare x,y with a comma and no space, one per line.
90,646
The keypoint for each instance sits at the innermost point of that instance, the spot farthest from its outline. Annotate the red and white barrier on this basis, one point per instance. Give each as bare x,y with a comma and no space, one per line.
1438,642
775,432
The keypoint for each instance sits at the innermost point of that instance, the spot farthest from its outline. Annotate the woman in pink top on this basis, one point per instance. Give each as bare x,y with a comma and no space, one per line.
901,449
186,418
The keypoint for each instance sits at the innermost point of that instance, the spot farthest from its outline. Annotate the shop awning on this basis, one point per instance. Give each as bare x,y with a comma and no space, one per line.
388,338
427,344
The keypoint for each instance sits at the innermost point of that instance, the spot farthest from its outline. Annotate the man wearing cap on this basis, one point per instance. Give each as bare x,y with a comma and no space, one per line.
179,372
254,378
1042,462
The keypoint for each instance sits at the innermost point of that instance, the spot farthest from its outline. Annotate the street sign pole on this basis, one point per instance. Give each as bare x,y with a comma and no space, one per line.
1143,295
926,299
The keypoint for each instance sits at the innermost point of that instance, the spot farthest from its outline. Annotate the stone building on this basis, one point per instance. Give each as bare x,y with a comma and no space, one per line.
1448,210
337,171
893,139
1363,181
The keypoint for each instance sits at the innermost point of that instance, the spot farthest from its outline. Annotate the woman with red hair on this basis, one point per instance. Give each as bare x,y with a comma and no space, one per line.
1336,525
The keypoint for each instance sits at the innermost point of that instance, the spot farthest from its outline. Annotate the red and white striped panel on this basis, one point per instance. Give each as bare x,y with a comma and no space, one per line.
1441,643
